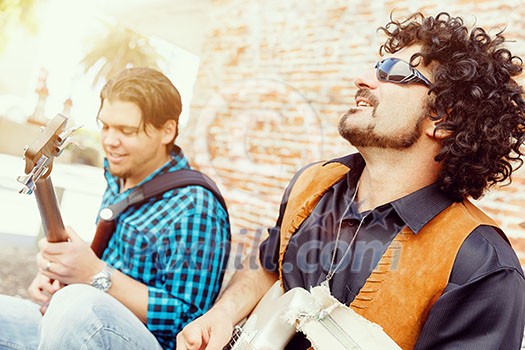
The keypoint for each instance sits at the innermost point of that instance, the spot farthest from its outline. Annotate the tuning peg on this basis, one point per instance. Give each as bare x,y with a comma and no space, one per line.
60,148
23,179
25,190
66,133
27,181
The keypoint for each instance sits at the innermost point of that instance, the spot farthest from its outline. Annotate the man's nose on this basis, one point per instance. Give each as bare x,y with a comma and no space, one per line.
367,80
110,137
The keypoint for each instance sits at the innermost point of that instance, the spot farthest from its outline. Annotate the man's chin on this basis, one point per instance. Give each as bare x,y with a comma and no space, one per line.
116,170
357,137
348,132
345,116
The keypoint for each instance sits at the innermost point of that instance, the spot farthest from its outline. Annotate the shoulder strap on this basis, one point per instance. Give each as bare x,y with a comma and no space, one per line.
159,185
155,187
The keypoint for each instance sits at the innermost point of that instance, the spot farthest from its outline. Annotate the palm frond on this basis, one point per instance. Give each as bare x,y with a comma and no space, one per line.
119,48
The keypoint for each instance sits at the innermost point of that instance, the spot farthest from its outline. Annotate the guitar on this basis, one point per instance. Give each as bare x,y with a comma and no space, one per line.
39,157
266,327
327,323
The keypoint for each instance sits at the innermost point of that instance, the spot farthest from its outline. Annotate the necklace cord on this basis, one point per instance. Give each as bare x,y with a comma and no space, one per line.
331,272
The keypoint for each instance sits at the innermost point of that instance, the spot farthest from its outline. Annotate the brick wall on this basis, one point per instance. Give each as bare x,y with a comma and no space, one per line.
275,77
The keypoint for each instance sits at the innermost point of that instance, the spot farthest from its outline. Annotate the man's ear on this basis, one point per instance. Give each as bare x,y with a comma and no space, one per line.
169,130
442,134
432,130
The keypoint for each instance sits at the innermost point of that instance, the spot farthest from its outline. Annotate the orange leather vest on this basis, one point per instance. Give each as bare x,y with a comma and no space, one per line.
414,270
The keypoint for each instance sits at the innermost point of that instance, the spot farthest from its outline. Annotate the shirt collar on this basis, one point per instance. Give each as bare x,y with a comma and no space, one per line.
418,208
415,209
178,161
353,161
356,163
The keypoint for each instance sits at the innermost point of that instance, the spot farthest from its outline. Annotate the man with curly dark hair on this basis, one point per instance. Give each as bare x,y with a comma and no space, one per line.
391,229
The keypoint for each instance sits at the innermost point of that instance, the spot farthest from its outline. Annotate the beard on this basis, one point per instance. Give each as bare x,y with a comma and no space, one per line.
368,137
119,171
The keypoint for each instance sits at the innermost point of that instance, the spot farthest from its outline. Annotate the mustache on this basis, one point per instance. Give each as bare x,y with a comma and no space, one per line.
367,95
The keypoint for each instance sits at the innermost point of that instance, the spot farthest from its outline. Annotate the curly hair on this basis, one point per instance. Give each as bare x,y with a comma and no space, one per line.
474,98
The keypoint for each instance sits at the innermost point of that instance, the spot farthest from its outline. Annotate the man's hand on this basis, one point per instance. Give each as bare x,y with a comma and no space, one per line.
68,262
211,331
42,288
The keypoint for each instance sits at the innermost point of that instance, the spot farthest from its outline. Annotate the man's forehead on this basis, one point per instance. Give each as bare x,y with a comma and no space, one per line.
117,124
120,113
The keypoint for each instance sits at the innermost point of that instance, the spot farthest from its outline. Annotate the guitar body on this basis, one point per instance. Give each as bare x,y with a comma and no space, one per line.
326,322
266,327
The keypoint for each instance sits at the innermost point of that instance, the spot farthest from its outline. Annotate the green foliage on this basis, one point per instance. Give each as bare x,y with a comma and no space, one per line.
116,49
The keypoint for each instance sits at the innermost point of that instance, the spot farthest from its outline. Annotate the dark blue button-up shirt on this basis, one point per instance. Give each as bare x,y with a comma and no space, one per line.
483,305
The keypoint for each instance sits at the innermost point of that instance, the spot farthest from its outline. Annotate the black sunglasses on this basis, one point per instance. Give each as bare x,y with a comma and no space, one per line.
395,70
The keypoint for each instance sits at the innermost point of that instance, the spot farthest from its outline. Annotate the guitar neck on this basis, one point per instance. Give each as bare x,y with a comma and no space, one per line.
237,342
49,211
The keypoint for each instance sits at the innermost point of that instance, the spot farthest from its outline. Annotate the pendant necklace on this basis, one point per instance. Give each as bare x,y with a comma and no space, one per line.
332,270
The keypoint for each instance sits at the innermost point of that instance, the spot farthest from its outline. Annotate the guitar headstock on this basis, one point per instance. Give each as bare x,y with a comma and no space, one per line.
40,154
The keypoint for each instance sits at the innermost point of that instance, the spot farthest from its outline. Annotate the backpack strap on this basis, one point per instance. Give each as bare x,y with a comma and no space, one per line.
157,186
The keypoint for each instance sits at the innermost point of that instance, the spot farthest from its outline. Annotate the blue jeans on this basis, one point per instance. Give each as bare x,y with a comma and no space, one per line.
79,317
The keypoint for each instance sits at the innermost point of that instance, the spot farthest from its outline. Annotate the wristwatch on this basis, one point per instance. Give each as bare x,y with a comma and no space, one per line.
102,280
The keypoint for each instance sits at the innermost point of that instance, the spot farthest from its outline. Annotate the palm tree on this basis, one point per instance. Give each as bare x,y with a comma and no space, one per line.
119,48
14,12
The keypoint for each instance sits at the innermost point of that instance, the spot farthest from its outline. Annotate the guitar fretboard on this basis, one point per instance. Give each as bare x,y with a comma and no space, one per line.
236,336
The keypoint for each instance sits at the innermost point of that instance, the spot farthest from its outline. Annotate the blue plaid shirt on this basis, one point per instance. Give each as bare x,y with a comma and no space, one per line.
177,244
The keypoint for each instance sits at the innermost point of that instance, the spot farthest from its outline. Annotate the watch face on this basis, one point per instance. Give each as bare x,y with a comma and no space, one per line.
103,283
102,280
